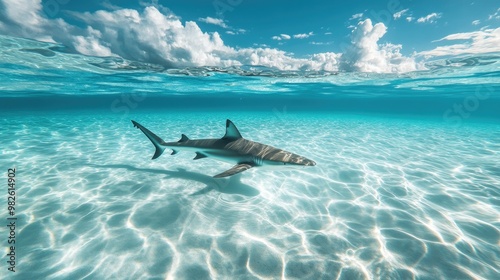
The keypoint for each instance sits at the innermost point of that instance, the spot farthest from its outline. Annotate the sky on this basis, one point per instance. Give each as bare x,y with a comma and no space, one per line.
355,35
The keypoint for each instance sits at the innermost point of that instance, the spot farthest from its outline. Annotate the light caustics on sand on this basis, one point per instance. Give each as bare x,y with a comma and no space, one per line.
388,199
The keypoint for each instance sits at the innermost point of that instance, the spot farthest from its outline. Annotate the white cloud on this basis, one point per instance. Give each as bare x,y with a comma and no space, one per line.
496,15
303,35
484,41
328,33
236,31
430,18
319,43
158,36
356,16
25,17
400,13
90,45
281,37
276,58
409,19
476,22
108,5
214,21
328,61
285,36
151,3
296,36
261,45
366,55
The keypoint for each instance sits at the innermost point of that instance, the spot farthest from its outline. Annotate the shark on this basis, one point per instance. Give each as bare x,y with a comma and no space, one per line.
231,148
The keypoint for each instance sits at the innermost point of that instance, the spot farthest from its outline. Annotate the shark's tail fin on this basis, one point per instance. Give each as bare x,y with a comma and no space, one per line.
157,141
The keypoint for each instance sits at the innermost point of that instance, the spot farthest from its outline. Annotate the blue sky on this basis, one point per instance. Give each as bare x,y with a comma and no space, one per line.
263,19
298,28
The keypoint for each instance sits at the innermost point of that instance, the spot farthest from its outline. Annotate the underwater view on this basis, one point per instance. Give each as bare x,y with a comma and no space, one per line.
275,156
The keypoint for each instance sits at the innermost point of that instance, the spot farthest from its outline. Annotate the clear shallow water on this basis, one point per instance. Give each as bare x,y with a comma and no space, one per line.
401,189
388,198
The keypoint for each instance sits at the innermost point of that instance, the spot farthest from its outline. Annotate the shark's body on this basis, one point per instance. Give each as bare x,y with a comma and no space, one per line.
232,148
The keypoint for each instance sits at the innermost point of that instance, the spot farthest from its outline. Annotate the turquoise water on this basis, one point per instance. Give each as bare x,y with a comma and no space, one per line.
407,181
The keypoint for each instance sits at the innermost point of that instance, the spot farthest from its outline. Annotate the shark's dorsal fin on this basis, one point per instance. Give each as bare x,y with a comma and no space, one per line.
231,131
184,138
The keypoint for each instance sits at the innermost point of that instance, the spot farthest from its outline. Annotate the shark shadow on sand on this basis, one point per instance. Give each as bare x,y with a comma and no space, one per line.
231,185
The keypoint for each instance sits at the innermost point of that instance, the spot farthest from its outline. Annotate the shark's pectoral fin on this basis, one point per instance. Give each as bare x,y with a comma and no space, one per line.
235,170
174,152
199,155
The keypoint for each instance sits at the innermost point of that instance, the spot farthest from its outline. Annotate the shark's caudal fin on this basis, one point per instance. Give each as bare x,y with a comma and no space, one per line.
157,141
231,131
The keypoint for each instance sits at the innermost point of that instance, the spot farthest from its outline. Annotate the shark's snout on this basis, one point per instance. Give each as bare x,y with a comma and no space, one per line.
301,161
309,162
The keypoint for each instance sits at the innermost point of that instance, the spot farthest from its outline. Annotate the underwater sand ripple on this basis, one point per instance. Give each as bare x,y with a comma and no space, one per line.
388,199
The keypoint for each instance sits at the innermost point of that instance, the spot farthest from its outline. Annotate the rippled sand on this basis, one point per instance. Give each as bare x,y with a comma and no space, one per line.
388,199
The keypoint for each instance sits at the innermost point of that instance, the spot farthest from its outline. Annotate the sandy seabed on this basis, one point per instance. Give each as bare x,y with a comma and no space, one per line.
388,199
